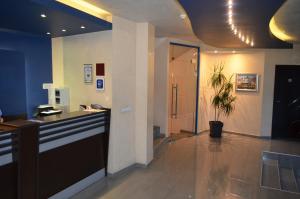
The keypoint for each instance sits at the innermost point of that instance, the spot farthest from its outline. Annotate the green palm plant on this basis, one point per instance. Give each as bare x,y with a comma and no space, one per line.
223,100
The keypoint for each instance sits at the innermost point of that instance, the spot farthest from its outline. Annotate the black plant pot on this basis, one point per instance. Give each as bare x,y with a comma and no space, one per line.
215,129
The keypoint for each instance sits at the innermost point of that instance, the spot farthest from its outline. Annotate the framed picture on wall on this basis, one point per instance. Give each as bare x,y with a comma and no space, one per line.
100,84
88,73
247,82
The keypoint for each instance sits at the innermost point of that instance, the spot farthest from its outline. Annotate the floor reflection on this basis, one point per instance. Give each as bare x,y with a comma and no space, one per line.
198,167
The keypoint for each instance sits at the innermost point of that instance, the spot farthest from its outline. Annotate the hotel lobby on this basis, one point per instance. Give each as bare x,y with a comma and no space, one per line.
160,99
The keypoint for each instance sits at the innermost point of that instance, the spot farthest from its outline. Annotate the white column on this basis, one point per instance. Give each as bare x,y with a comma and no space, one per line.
161,72
131,139
122,133
145,42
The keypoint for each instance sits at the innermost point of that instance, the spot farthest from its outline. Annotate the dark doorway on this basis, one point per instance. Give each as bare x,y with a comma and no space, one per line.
286,105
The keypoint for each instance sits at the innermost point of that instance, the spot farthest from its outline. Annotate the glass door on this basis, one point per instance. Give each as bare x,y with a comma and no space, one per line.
183,65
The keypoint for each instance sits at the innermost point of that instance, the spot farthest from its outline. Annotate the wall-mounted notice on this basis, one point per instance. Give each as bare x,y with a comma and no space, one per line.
100,69
88,73
100,84
246,82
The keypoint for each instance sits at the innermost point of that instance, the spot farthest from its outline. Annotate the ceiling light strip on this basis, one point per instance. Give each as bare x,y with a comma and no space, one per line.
279,33
88,8
236,31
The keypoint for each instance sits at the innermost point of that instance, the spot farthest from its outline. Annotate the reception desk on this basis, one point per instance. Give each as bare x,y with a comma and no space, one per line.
58,155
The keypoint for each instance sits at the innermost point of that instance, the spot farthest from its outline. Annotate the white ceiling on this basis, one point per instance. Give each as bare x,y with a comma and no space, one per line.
163,14
288,19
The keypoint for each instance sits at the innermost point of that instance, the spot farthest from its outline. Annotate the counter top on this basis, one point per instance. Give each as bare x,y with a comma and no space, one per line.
5,128
64,116
14,125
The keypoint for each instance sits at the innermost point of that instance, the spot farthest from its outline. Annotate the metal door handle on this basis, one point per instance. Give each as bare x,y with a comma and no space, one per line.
174,101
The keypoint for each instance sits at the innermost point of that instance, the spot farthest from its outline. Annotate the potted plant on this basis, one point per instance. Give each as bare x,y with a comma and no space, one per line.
222,100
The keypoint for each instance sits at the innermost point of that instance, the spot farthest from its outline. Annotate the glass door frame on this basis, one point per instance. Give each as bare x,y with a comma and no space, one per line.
197,81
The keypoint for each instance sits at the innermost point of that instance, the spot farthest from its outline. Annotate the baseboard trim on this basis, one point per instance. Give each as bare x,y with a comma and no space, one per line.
247,135
164,141
79,186
241,134
202,132
186,131
126,170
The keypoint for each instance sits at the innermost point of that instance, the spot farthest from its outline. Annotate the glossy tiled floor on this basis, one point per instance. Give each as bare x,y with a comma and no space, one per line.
198,167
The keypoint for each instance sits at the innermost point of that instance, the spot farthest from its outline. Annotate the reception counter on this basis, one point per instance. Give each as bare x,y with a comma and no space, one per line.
60,155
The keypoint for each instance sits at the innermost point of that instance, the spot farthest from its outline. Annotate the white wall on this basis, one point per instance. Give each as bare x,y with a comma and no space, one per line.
128,54
161,84
122,141
57,62
70,54
246,118
253,114
132,88
266,59
144,92
258,106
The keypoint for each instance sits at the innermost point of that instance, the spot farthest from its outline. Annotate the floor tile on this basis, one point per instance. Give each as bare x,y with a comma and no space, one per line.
198,167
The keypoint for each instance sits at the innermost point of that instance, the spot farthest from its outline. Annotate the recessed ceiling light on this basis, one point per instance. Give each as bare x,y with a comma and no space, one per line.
43,15
48,33
82,27
64,30
182,16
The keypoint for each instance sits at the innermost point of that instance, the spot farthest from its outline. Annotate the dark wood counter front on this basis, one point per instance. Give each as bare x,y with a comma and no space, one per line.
8,167
60,150
71,147
19,160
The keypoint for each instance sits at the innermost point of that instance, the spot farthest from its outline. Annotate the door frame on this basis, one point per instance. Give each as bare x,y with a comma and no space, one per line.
197,81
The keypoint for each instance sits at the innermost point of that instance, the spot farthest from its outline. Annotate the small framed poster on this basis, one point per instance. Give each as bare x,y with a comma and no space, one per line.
247,82
100,69
88,73
100,84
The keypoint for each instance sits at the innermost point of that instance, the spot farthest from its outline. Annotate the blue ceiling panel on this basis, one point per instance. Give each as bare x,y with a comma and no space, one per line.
209,20
25,16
